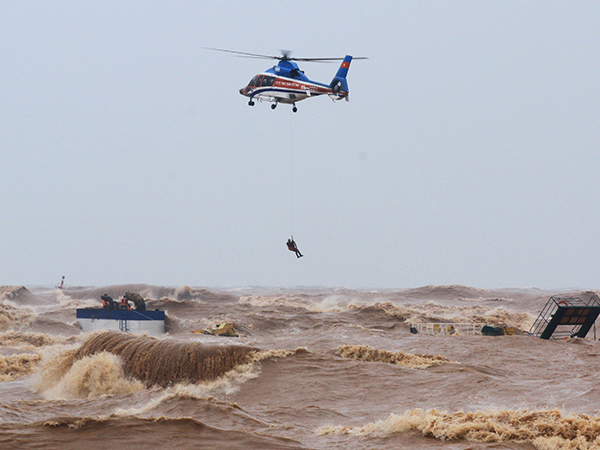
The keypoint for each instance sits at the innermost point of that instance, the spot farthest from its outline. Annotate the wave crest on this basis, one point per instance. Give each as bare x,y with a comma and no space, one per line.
90,377
17,339
166,361
368,353
19,294
149,292
10,317
437,313
550,429
15,366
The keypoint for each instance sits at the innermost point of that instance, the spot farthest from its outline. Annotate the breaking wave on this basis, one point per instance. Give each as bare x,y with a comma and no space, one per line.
434,312
155,361
368,353
406,312
15,366
453,291
114,363
16,294
166,361
30,341
329,303
545,430
11,317
227,384
149,292
89,377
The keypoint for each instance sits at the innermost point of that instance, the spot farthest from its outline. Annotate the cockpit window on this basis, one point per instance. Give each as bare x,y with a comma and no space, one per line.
268,81
261,80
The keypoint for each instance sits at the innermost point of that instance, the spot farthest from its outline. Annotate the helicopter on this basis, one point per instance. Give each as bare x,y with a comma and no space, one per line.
286,83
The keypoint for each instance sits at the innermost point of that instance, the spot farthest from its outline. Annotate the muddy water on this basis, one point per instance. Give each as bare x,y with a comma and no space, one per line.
311,368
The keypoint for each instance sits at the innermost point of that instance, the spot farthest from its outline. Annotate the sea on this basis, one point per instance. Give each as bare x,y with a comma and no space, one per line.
310,368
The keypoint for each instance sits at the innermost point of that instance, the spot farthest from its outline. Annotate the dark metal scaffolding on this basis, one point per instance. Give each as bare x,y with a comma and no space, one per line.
566,317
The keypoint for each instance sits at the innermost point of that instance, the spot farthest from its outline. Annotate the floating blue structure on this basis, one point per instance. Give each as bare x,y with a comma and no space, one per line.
93,319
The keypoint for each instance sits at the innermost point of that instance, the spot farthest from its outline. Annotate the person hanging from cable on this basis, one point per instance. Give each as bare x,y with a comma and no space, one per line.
291,245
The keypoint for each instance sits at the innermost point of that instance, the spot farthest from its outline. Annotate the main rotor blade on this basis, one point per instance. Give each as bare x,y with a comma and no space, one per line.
285,56
247,55
325,59
319,60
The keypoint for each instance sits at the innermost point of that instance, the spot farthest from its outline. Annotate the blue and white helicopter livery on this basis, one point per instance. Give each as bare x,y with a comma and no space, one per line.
286,83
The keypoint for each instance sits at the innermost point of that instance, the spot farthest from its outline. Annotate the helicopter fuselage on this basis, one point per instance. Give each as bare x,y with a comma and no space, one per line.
286,83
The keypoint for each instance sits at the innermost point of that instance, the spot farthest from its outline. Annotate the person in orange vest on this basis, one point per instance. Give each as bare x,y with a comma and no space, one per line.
137,300
125,303
108,302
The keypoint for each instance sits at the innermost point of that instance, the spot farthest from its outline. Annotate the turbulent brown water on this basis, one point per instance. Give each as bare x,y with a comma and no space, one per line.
311,369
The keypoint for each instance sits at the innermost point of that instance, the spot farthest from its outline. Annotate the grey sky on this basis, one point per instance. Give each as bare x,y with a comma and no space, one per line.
468,153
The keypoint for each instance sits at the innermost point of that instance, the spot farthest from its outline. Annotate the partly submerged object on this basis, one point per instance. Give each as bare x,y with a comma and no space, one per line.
460,329
566,317
223,329
93,319
445,328
498,331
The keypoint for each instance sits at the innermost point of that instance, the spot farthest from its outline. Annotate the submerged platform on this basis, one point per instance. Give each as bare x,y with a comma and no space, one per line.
566,317
94,319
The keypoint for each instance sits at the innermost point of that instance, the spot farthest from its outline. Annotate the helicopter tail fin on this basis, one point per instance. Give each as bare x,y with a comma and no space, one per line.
339,84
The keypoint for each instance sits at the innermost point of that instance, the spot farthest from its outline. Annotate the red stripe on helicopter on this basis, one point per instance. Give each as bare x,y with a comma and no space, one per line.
345,65
298,86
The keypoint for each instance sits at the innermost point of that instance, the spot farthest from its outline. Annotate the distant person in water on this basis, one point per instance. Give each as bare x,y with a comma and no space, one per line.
108,302
291,245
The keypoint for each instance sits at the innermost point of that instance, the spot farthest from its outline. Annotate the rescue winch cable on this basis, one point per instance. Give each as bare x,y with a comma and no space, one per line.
290,243
292,174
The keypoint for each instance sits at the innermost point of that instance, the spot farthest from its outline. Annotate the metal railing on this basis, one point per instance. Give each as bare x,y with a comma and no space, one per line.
448,328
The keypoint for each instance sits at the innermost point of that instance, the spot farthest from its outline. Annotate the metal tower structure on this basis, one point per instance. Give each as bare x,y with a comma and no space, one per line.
566,317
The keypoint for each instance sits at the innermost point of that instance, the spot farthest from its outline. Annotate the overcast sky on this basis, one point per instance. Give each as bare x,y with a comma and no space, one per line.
468,154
